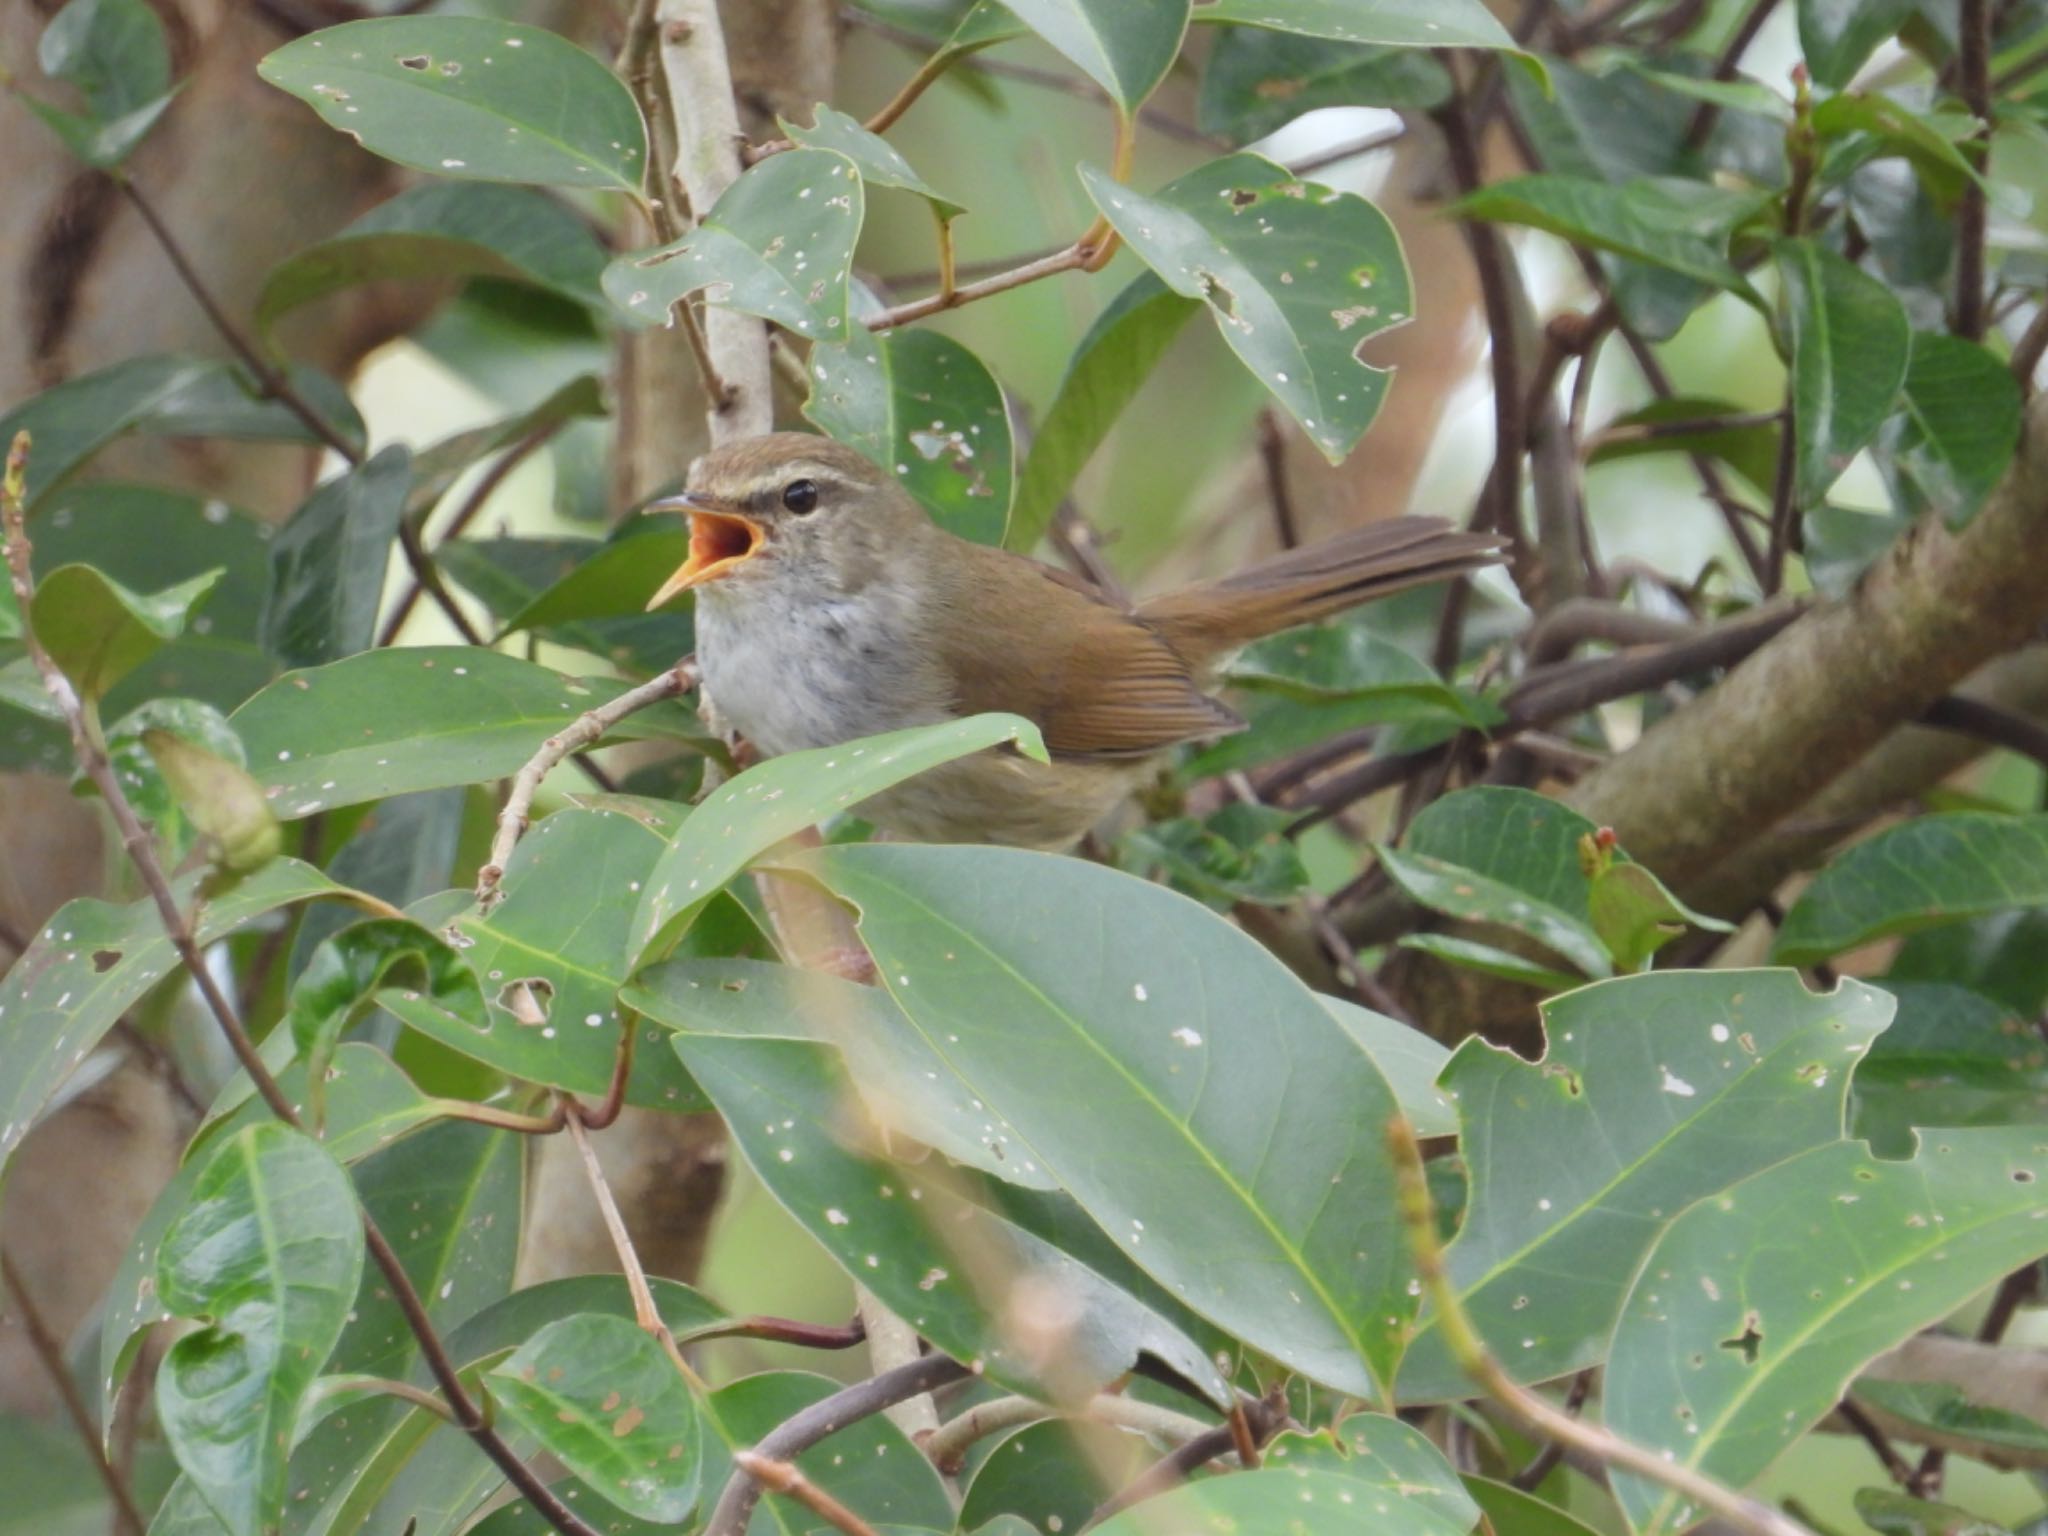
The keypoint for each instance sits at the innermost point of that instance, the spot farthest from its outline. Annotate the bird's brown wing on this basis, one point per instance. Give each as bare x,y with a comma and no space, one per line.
1098,681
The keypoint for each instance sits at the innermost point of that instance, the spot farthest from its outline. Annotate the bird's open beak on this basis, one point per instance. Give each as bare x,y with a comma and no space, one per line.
721,540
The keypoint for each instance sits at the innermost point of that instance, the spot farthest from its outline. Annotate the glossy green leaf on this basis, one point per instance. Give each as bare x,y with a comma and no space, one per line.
997,957
1258,81
1490,960
102,145
964,1277
268,1254
1751,451
1114,358
778,244
926,409
584,593
1655,1091
1680,226
92,962
74,420
1851,344
1344,661
444,230
216,793
1892,1513
1875,125
403,849
881,165
1941,1406
905,1084
391,721
1240,853
1407,1058
1757,1307
470,97
1919,874
1124,46
329,562
98,631
618,578
225,400
1401,23
1273,1501
1952,1057
746,816
600,1395
1838,36
1413,1488
1052,1475
1956,433
1299,278
1510,1509
1635,916
114,53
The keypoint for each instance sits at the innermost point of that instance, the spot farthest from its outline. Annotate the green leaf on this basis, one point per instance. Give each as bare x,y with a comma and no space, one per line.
1656,1091
905,1084
1897,1514
746,816
1414,1488
1635,916
551,986
1851,344
1876,126
113,51
997,956
77,418
328,563
1259,81
1510,1509
225,400
1488,960
1273,1501
1755,1310
1941,1406
1116,356
1952,1057
957,1272
403,849
1838,36
1841,544
599,1394
1919,874
1240,853
100,145
1956,434
1299,278
268,1255
616,579
880,163
470,97
1408,1059
925,408
92,962
216,793
390,721
1124,46
1051,1475
98,631
1345,661
584,593
1400,23
444,230
1751,451
1680,226
778,244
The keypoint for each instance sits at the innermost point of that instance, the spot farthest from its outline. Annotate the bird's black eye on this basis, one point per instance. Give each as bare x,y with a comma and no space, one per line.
801,495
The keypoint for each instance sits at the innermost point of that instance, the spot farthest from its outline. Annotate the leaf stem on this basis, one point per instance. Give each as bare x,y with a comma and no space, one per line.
782,1477
1973,67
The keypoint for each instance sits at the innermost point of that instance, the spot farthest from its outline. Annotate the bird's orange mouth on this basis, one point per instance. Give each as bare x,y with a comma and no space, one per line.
720,542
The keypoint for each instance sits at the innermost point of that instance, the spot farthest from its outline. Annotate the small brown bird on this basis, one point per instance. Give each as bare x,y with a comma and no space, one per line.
830,607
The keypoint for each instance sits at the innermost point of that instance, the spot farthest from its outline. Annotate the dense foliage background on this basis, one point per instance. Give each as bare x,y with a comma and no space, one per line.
1576,1062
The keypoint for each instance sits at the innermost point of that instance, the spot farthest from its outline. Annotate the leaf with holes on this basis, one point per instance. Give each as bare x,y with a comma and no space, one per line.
1851,346
444,230
778,243
598,1393
1116,356
1757,1307
1952,1057
1299,278
329,561
93,961
98,631
926,410
470,97
996,955
1124,46
1412,1486
959,1273
880,163
391,721
746,816
1655,1091
267,1254
1919,874
1953,439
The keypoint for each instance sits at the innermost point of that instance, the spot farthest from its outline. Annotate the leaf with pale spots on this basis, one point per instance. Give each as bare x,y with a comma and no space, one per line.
267,1255
93,961
1412,1488
1273,1501
1250,1173
1299,278
778,244
980,1287
391,721
905,1084
1757,1307
469,97
1654,1091
600,1394
881,165
746,816
928,411
1398,23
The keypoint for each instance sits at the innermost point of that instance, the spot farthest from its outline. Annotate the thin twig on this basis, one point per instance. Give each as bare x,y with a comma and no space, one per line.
1540,1466
1701,128
1988,722
948,1445
782,1330
1264,1418
1973,67
2027,351
49,1352
2014,1291
801,1431
1068,258
782,1477
1279,498
135,839
1691,426
1896,1467
584,731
